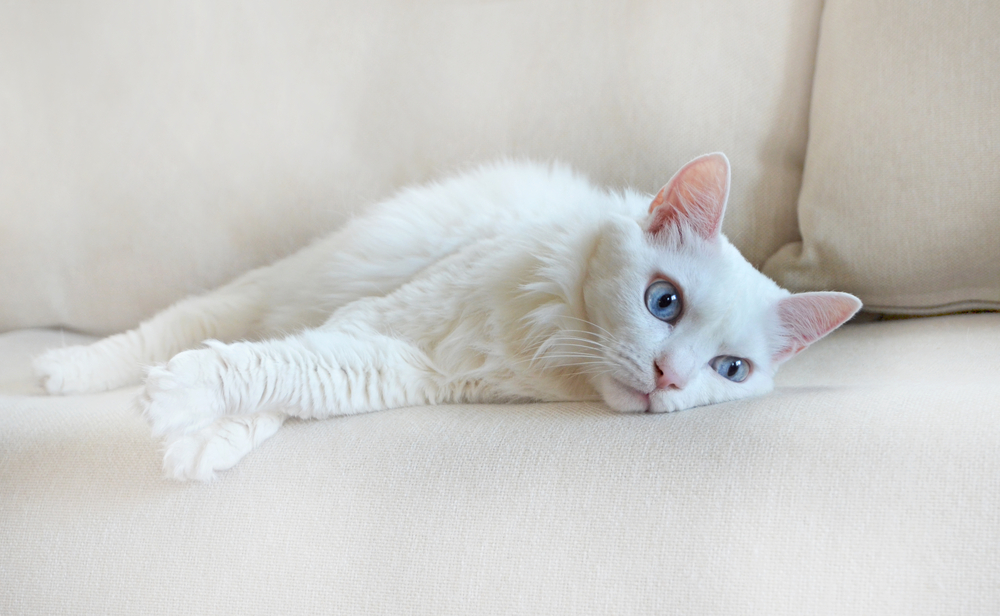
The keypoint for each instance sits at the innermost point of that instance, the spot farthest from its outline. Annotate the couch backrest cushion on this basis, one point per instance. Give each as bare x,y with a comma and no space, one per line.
900,199
149,151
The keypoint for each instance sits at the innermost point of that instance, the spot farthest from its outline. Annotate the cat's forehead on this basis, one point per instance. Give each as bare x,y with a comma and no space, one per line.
702,264
725,298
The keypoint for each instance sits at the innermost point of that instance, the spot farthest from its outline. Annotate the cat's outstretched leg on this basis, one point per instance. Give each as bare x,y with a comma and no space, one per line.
315,374
279,298
118,360
369,256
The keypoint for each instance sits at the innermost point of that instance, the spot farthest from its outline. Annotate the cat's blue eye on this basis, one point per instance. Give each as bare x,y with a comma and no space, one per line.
663,301
735,369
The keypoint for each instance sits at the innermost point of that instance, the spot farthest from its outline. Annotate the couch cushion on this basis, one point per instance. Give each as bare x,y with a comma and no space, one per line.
866,484
149,151
900,200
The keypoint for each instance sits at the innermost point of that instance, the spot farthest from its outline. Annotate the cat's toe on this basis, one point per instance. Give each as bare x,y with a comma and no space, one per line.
181,396
184,459
198,455
217,447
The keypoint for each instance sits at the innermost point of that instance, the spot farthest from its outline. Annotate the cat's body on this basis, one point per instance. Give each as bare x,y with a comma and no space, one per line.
511,282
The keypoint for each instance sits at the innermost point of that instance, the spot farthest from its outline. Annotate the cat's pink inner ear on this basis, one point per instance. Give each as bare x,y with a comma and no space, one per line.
695,196
807,317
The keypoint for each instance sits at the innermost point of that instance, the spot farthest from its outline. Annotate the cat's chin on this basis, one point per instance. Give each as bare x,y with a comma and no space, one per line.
623,398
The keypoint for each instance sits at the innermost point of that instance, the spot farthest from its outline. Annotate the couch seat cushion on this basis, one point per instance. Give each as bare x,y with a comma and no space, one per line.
866,483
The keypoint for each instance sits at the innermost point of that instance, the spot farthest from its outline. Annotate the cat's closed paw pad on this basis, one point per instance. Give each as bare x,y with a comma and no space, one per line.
184,395
217,447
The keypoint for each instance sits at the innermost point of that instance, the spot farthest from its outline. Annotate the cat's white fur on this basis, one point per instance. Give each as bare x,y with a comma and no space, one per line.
512,282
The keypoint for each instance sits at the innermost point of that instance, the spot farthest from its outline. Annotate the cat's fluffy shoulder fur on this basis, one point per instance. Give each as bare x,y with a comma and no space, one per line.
514,281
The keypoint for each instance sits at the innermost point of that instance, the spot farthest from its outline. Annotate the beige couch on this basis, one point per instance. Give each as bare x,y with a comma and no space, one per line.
150,151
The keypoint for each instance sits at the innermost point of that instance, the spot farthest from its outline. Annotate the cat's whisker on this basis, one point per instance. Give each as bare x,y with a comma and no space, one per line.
569,350
610,335
586,359
570,333
631,360
592,369
636,377
593,343
598,335
605,340
572,364
569,341
562,339
577,344
562,356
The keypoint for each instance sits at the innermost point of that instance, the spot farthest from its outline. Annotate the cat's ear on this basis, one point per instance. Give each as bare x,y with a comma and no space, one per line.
806,317
695,196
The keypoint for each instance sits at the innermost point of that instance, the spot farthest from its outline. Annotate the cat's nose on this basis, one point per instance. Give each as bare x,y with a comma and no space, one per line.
667,377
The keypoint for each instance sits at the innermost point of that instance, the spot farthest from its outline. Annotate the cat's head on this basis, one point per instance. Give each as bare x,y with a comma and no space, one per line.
681,317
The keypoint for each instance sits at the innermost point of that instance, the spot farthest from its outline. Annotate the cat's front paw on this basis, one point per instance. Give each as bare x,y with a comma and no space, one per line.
184,395
78,370
217,447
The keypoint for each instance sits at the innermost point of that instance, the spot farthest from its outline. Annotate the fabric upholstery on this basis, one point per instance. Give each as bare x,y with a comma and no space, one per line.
151,151
900,200
865,484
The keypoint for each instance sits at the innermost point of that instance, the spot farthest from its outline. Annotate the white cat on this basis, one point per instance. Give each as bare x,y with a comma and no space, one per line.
513,282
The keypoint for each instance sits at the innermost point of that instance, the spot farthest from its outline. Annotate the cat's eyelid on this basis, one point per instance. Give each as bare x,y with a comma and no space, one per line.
660,276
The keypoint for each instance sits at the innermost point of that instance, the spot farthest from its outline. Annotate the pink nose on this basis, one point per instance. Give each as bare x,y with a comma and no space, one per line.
667,377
